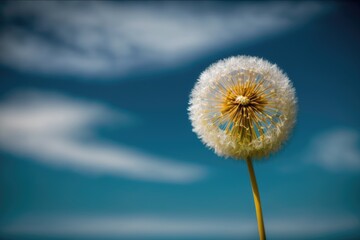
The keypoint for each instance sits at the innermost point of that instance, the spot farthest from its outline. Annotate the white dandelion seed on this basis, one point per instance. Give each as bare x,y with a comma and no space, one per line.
244,107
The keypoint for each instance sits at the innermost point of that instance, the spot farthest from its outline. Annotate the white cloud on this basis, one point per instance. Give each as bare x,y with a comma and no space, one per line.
56,130
165,227
106,38
336,150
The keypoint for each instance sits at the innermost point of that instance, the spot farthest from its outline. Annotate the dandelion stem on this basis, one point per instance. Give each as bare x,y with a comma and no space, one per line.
257,201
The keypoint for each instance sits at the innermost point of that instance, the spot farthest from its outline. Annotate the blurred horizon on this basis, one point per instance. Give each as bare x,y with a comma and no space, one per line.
95,140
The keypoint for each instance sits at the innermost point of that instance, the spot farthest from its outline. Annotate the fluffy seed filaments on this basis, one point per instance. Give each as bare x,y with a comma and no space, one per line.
243,107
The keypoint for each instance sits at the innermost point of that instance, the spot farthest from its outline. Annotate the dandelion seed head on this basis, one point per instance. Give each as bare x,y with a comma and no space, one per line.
243,107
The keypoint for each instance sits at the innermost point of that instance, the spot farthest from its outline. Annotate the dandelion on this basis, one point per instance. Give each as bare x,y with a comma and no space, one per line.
243,107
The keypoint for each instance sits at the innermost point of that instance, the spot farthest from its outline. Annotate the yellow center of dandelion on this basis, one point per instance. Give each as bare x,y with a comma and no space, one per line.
247,107
242,100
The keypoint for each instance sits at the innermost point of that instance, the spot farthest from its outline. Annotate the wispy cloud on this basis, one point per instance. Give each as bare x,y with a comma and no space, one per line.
336,150
165,227
107,38
58,131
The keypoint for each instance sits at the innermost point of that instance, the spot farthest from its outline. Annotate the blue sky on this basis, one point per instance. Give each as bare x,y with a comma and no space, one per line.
95,140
